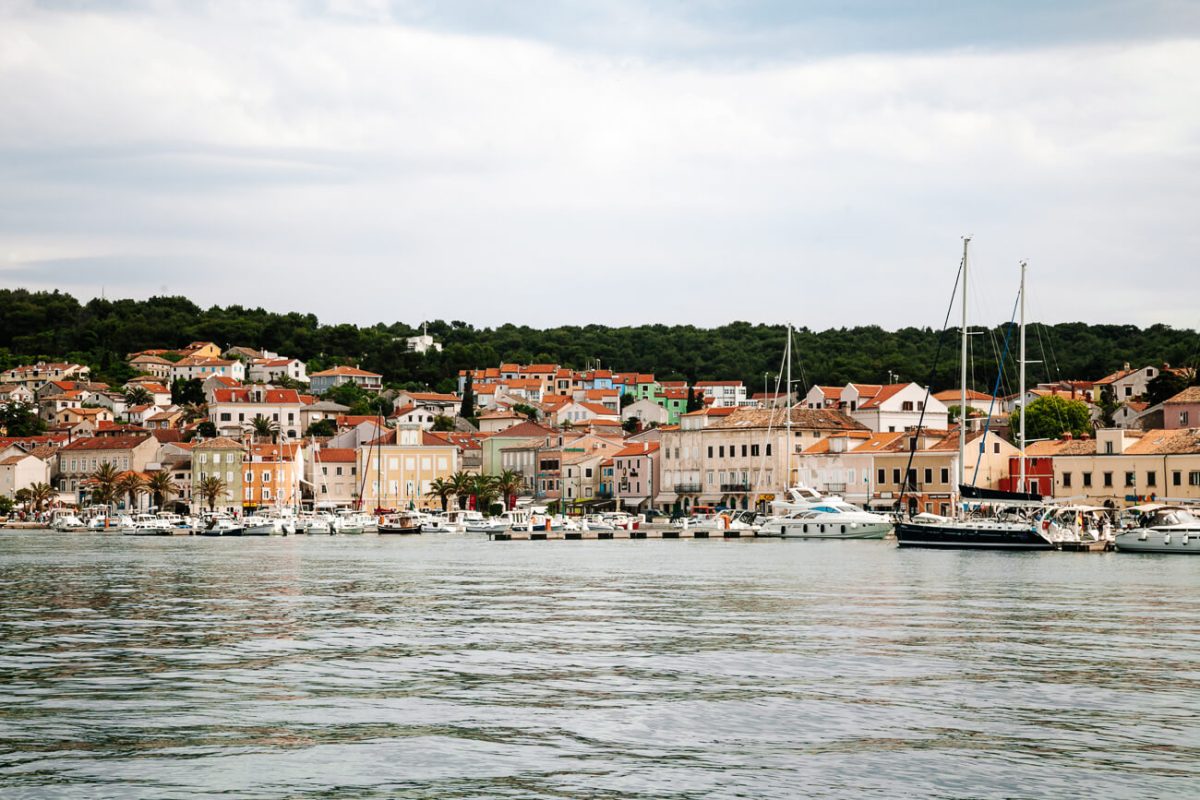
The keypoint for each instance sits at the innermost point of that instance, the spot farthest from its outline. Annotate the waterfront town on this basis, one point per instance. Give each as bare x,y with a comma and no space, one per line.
241,430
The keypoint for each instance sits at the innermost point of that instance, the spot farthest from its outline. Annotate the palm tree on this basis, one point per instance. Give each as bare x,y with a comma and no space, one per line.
104,481
41,494
211,489
138,396
441,489
131,485
162,486
509,484
194,411
462,482
264,427
483,489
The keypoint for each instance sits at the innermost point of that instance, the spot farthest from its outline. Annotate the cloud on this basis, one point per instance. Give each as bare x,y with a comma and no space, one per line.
409,161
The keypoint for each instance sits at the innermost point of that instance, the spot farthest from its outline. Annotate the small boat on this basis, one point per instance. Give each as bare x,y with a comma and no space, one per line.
710,519
404,522
221,525
111,524
148,525
66,521
1161,528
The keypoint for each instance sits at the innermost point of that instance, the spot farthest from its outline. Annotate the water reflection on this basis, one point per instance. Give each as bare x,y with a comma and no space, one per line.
356,666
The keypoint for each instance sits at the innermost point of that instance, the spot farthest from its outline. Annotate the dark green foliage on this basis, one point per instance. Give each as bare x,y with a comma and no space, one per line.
101,333
206,429
322,427
443,423
184,392
468,398
1166,385
529,411
1051,416
18,419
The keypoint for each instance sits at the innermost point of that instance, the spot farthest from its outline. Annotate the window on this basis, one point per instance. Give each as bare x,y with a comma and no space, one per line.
1087,479
896,477
587,472
226,416
324,470
1183,419
744,451
907,405
1066,479
1108,480
996,447
266,494
768,448
1108,448
945,475
1129,391
1194,478
1176,478
216,458
710,451
928,475
249,477
754,450
1130,479
912,478
1151,478
882,477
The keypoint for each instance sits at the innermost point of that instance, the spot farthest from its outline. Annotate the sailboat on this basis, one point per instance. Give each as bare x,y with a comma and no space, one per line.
996,520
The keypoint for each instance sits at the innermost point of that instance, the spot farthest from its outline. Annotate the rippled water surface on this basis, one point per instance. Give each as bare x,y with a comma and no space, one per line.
451,667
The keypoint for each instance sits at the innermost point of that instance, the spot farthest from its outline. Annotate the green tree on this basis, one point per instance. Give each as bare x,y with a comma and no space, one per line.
104,481
323,427
485,489
1108,406
161,487
40,495
207,429
194,411
443,423
631,425
264,428
20,419
462,483
467,409
1168,383
131,486
187,391
1051,416
694,401
138,396
211,489
442,489
6,505
531,413
509,484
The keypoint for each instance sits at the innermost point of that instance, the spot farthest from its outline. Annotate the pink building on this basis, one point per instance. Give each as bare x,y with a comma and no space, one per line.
1183,410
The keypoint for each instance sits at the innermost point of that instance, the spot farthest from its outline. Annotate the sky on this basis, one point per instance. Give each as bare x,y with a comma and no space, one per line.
615,162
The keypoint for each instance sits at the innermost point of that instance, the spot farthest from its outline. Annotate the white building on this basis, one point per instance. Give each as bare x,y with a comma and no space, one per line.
724,394
233,410
269,370
898,406
203,368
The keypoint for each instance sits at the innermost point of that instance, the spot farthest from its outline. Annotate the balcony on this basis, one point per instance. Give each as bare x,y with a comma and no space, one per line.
735,487
688,488
835,488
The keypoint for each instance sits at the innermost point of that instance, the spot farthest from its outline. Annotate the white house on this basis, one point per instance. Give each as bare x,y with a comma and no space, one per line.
823,397
898,406
724,394
21,471
203,368
269,370
233,411
1126,383
647,411
321,382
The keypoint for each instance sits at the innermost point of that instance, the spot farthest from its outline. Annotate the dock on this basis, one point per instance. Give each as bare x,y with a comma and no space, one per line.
642,533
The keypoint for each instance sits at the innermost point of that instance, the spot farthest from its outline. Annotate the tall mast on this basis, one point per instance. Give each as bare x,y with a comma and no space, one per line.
787,356
962,379
1021,441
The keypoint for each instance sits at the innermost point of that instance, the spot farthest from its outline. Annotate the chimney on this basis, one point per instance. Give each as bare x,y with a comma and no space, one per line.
1126,365
1066,437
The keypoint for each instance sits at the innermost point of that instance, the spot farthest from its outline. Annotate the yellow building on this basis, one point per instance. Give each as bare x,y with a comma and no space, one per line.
397,472
1123,467
271,476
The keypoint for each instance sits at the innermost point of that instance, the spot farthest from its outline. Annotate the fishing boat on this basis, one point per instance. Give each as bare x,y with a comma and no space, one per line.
1161,528
405,522
65,521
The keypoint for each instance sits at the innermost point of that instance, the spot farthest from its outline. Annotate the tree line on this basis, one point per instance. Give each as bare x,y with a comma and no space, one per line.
101,332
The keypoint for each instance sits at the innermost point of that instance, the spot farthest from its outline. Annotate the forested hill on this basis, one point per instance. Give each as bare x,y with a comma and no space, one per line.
101,332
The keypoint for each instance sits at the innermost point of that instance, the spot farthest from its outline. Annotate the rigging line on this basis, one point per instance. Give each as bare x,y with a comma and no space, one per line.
762,461
995,390
1051,378
929,383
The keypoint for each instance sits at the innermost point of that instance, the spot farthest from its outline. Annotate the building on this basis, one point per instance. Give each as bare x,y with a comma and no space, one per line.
900,406
929,460
154,366
202,368
470,447
1123,467
333,477
22,470
233,411
843,464
321,382
1126,383
222,458
79,459
321,410
32,376
636,475
422,344
647,412
491,460
724,394
272,475
398,476
1182,410
271,370
823,397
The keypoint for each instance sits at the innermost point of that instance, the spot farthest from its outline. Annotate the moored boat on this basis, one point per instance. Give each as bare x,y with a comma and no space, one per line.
1163,529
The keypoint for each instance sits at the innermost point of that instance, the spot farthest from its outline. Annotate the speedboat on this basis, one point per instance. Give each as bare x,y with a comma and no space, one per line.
1161,529
111,524
148,525
221,525
597,522
827,519
66,521
720,520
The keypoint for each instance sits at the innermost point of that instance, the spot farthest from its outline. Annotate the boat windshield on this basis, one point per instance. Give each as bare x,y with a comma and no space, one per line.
1174,516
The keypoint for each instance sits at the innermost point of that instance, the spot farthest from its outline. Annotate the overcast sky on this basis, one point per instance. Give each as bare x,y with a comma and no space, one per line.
612,161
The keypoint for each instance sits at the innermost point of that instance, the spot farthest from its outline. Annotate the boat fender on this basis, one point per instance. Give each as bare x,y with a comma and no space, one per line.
1184,540
1166,538
725,521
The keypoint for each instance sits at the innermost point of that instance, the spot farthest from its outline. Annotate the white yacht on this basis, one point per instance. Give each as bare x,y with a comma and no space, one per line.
148,525
64,520
1162,529
828,519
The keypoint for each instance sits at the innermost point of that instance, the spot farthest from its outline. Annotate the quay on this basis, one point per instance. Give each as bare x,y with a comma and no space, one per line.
641,533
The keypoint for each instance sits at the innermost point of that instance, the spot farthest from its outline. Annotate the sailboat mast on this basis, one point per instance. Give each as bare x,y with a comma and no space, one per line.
788,407
962,378
1021,441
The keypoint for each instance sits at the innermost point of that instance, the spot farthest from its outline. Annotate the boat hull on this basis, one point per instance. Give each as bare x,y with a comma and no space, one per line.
1176,543
968,537
827,530
399,529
